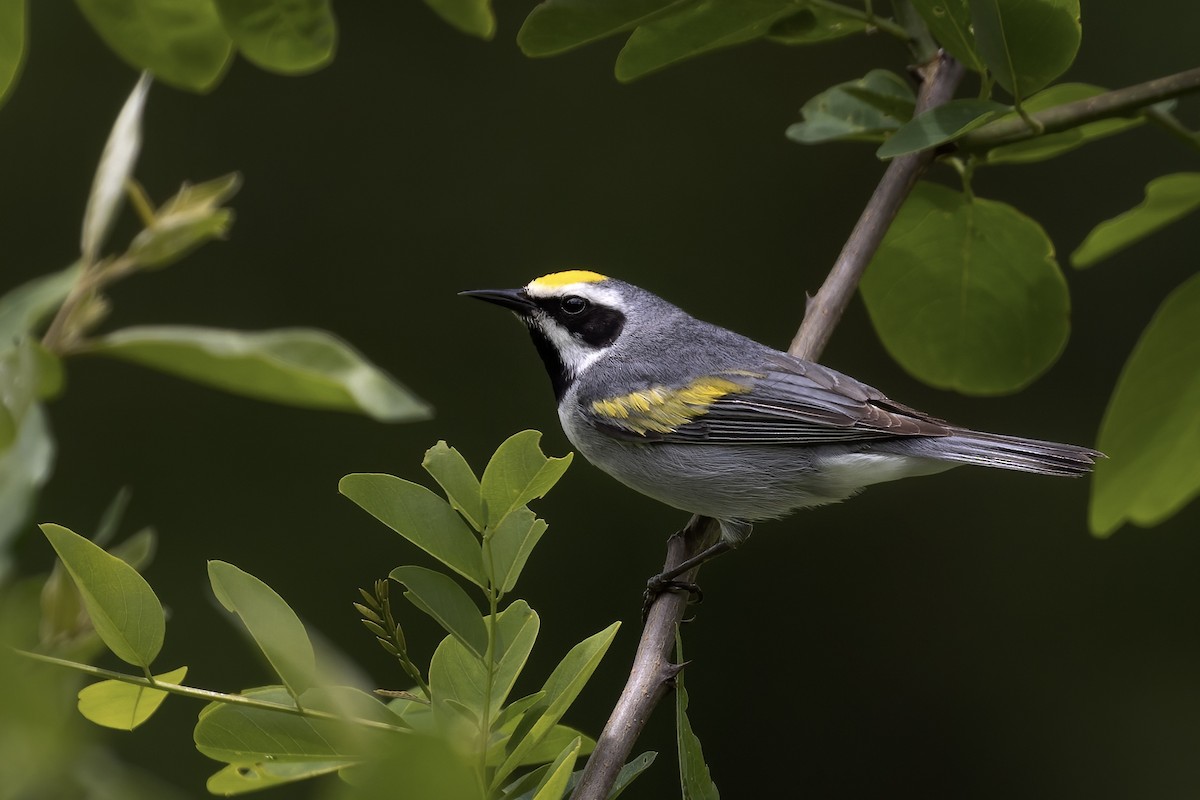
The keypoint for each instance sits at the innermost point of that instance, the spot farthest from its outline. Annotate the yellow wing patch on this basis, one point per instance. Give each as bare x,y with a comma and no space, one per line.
556,279
661,409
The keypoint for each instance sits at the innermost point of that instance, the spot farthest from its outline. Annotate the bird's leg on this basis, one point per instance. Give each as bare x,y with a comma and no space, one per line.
733,533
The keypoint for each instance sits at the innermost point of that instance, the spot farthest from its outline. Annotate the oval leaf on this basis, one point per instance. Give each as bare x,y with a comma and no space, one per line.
556,26
940,124
457,680
116,165
814,24
472,17
12,44
516,630
291,37
420,516
458,481
1151,430
124,706
966,294
252,777
518,473
181,41
950,23
124,609
1168,199
861,110
444,600
270,621
1026,43
509,546
296,366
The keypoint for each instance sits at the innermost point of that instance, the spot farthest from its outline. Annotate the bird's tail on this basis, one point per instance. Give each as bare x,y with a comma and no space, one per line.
1014,452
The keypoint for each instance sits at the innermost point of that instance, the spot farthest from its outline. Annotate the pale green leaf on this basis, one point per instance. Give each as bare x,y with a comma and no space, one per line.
181,41
444,600
965,293
124,706
516,630
943,123
697,28
415,767
186,221
296,366
458,481
518,473
236,779
115,168
123,608
554,785
859,110
290,37
556,26
1151,430
13,33
510,544
272,624
456,677
420,516
24,467
950,23
1026,43
24,308
472,17
1168,199
814,24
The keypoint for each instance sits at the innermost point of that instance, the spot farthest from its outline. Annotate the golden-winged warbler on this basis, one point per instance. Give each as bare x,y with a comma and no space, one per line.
711,422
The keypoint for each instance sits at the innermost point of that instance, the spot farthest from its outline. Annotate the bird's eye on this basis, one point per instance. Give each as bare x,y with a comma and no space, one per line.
574,304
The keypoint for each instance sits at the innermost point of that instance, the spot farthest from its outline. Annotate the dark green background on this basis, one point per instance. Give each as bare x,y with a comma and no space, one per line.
955,636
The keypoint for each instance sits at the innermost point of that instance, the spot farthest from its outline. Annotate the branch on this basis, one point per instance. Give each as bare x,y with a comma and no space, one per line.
1118,103
650,677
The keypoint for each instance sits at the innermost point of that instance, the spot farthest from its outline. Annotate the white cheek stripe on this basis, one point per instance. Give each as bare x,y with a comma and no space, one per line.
576,355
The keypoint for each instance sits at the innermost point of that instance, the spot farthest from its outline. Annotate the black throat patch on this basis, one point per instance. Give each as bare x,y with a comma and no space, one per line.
596,327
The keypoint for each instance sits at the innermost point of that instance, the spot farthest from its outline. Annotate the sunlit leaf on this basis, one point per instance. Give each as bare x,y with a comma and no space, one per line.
116,165
556,26
510,544
420,516
940,124
297,366
291,37
1151,430
950,23
123,608
518,473
965,293
22,309
444,600
181,41
251,777
814,24
124,706
472,17
860,110
1026,43
13,32
554,785
1168,199
458,481
697,28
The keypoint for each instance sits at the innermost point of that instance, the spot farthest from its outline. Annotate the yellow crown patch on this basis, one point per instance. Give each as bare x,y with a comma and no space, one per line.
556,279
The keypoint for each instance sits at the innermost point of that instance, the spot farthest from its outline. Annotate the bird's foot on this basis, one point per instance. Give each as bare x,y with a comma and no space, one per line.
659,584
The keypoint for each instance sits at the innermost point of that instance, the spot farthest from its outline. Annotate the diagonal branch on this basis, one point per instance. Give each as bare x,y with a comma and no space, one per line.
650,677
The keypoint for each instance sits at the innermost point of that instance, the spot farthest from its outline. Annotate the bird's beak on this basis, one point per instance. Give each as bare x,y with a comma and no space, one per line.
514,299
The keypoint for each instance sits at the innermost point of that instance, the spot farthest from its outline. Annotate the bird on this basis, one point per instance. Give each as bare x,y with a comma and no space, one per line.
714,423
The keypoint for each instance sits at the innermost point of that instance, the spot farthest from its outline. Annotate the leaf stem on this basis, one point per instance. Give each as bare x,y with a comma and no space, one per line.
882,23
206,694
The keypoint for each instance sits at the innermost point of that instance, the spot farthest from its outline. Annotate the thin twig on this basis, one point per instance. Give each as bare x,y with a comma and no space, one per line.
652,669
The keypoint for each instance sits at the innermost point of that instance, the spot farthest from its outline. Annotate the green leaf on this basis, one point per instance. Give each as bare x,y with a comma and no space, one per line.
181,41
458,481
1026,43
186,221
554,784
559,737
1050,145
296,366
950,23
24,308
556,26
518,473
509,546
124,706
24,467
860,110
630,771
252,777
20,382
940,124
115,168
813,25
414,767
444,600
472,17
1151,430
523,787
272,624
124,610
456,677
290,37
696,781
13,32
516,630
1168,198
421,517
561,688
966,294
696,28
